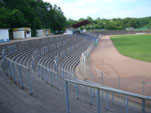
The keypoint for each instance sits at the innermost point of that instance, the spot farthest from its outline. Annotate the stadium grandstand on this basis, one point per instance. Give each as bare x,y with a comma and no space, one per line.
38,76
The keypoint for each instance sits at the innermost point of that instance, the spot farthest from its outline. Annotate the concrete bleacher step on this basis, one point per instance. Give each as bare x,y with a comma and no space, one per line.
15,100
48,99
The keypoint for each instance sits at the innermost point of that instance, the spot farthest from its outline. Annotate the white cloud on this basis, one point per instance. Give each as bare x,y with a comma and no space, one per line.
53,1
102,8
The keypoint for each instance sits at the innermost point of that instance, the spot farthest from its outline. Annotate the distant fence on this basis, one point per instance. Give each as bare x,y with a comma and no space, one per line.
86,54
118,82
119,32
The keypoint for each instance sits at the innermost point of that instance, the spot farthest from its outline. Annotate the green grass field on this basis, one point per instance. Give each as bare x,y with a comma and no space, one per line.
134,46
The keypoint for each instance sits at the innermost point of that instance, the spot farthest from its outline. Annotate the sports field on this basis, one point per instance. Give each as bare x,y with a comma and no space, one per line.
134,46
106,58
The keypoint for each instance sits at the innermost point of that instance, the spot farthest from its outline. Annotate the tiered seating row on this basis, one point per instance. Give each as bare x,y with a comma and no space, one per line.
23,57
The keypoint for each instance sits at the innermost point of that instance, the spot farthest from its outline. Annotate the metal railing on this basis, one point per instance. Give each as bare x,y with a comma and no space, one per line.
105,89
65,74
143,86
20,74
118,82
48,75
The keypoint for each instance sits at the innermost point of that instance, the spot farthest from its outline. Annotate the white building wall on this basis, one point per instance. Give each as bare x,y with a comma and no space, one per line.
39,33
68,32
4,35
18,34
28,35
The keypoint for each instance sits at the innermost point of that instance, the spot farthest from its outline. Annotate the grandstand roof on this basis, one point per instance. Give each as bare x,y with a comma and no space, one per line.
79,24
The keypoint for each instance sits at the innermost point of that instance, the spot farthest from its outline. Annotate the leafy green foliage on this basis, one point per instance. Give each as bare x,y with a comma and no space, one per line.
35,14
115,23
134,46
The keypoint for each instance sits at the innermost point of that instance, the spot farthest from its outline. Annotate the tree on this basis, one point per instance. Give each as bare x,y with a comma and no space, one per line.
16,19
35,14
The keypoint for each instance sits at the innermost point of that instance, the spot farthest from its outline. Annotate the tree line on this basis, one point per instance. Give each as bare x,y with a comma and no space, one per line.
115,23
35,14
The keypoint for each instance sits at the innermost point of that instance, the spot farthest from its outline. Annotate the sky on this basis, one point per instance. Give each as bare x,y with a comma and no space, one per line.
76,9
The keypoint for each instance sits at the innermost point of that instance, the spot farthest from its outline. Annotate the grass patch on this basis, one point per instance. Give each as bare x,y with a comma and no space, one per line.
134,46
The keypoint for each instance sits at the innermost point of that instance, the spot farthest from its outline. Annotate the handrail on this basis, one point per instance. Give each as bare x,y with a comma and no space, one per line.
17,63
67,71
16,73
48,68
94,77
147,82
113,90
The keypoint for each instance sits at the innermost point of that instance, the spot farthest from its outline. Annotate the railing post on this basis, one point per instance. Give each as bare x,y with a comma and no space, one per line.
38,70
3,59
143,105
102,85
29,81
51,81
77,91
127,104
67,97
98,100
9,70
63,74
124,101
14,72
46,75
102,78
119,82
102,95
106,101
112,98
66,76
93,92
21,78
91,96
70,76
86,89
42,70
143,87
57,81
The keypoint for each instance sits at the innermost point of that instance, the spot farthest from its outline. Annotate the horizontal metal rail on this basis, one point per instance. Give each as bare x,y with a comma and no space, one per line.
47,68
107,90
147,82
17,63
15,71
111,90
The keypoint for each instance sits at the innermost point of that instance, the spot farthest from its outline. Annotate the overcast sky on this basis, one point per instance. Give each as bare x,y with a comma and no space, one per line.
76,9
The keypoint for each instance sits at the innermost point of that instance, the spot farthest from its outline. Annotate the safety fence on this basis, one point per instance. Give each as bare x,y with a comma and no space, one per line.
145,88
86,54
129,84
20,74
49,75
108,91
119,32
